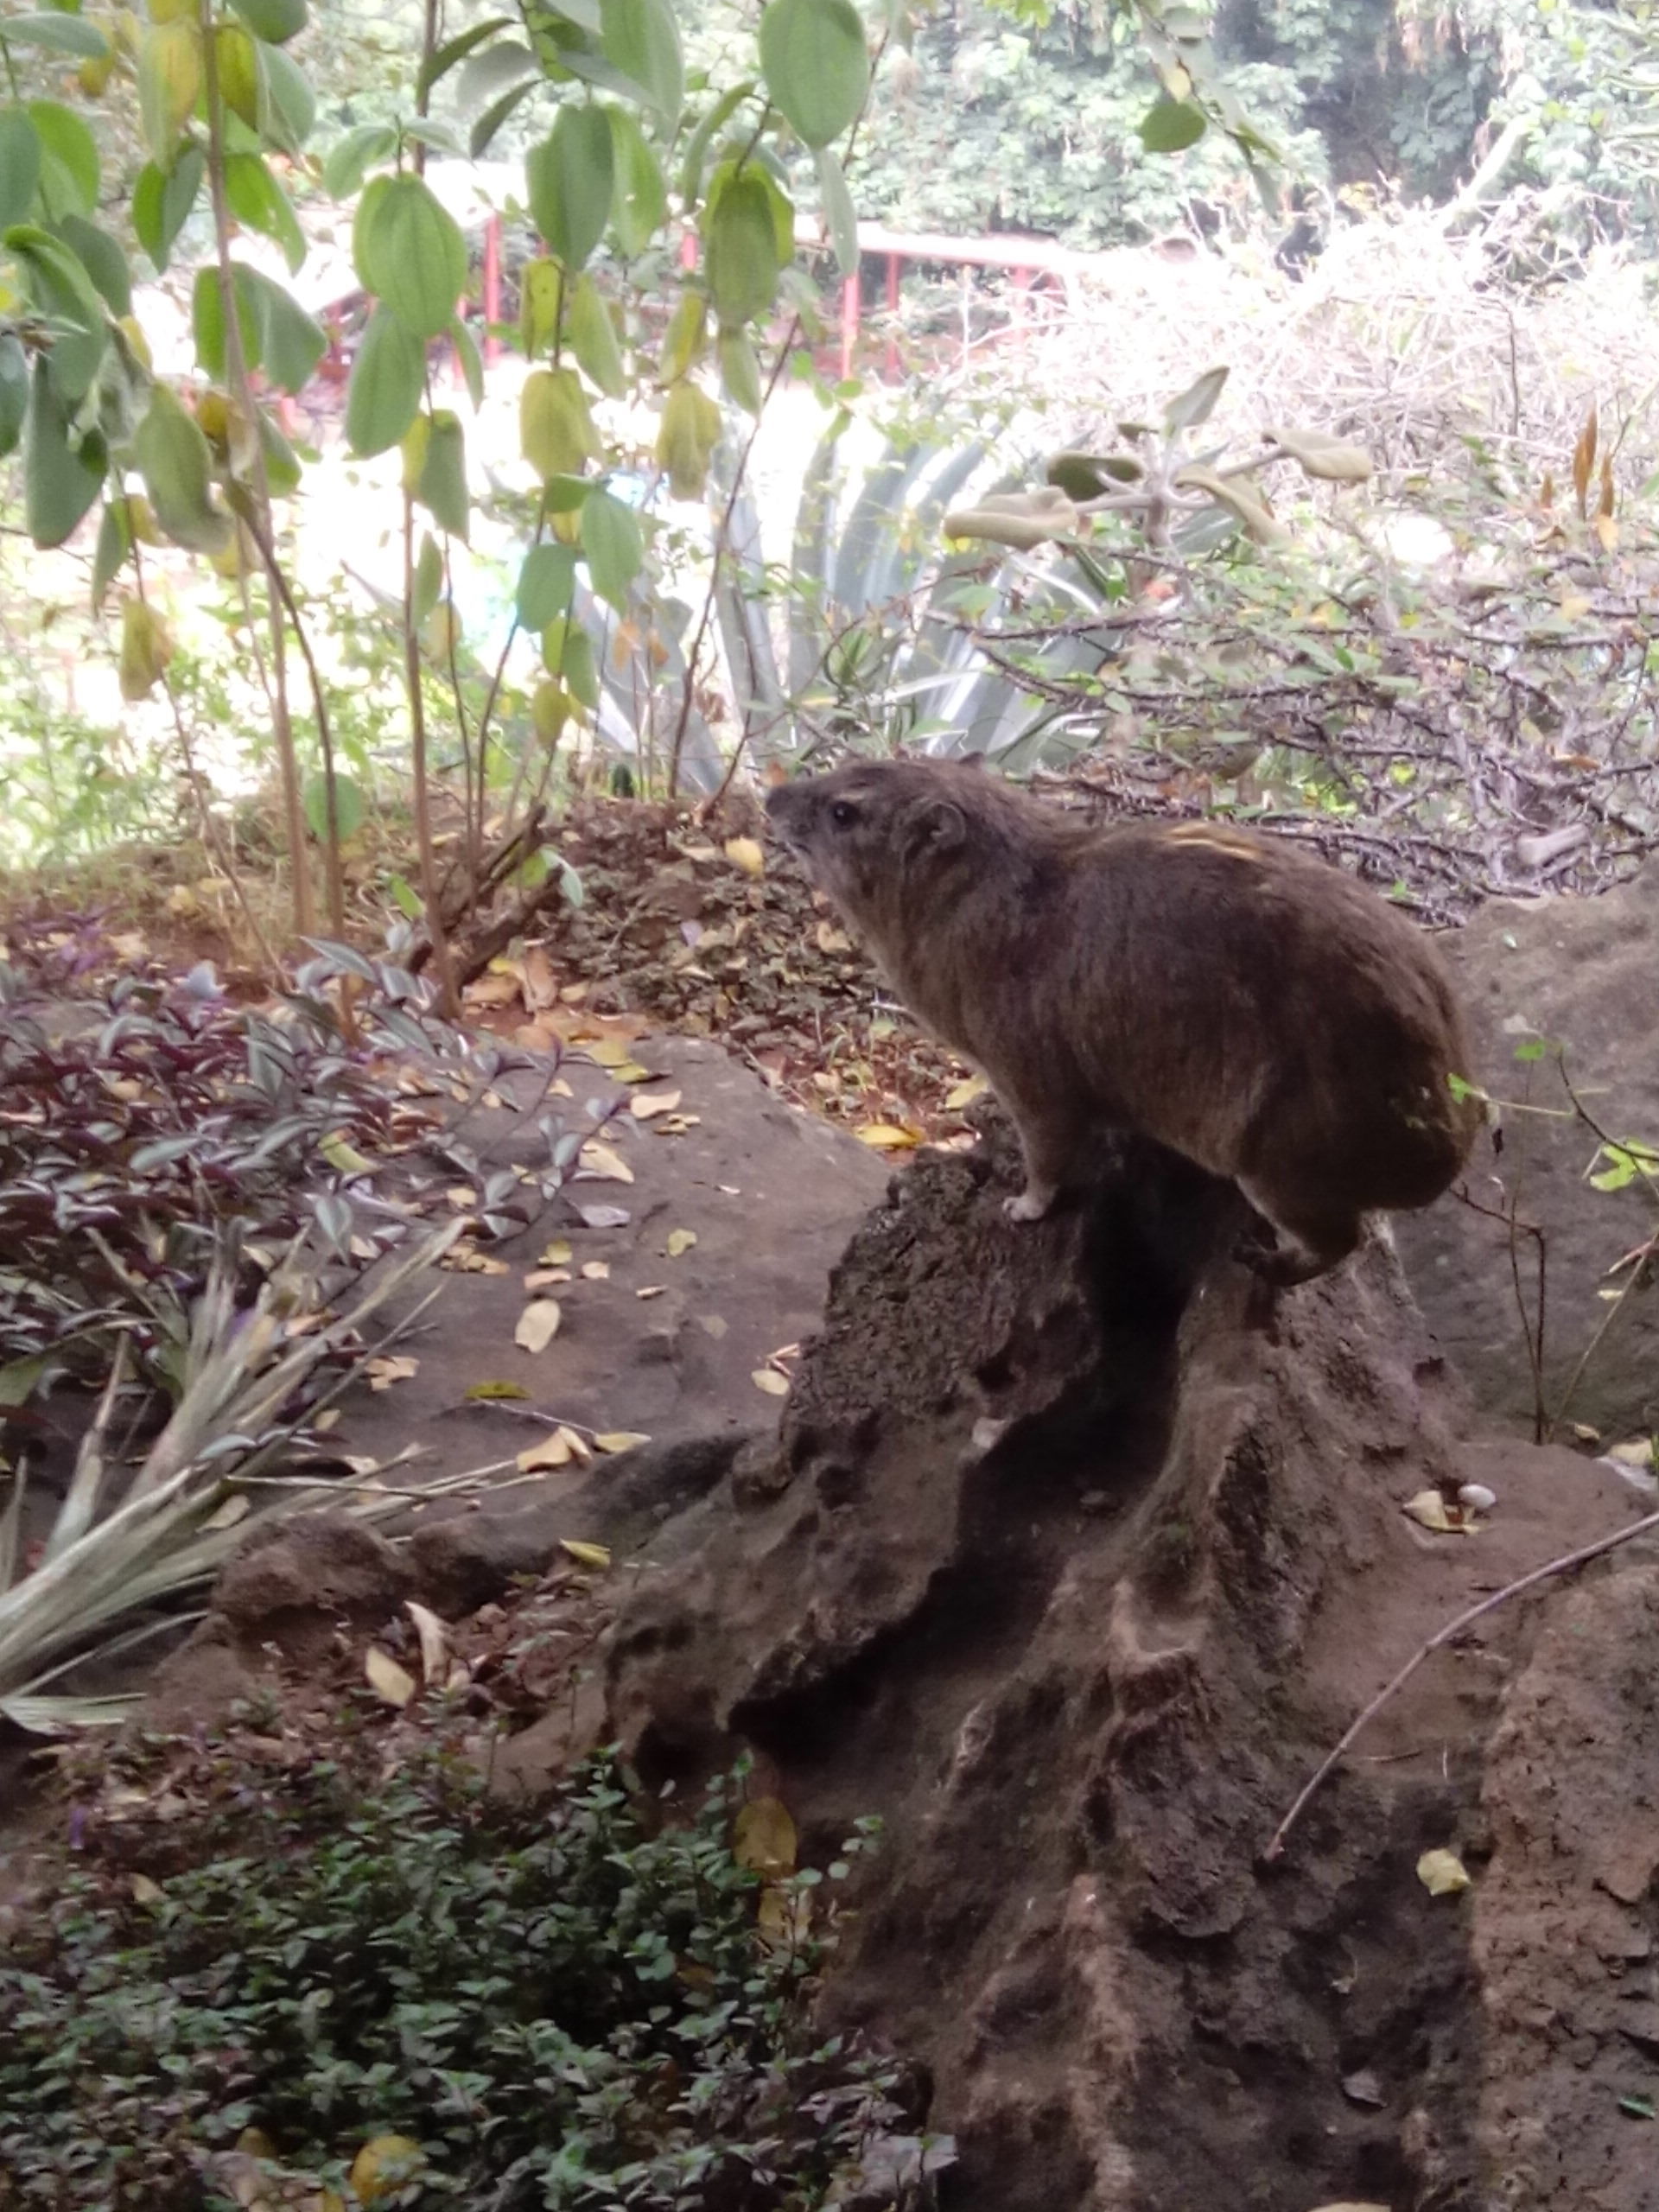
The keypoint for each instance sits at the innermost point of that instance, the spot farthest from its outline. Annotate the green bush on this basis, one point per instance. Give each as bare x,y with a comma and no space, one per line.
562,2009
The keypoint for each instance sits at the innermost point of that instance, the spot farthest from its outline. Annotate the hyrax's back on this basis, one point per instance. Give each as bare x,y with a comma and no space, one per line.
1294,1031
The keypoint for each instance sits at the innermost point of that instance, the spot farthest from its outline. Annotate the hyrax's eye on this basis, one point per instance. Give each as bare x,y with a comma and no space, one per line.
843,814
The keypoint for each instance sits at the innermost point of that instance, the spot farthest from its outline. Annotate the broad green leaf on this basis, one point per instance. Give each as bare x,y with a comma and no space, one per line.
839,213
411,253
555,430
1329,459
740,370
1091,475
642,38
56,33
592,335
1170,126
545,583
570,177
443,60
489,123
69,165
438,137
163,199
14,391
1021,519
817,65
208,325
258,201
541,304
169,77
639,204
741,243
352,157
282,462
101,256
471,365
241,74
697,151
1240,500
114,543
350,809
495,71
568,652
442,489
429,581
20,164
64,293
613,547
388,379
684,340
274,21
1196,403
60,481
288,108
176,466
686,438
290,343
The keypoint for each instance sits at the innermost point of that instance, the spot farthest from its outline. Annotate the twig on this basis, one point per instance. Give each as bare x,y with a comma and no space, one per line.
1562,1565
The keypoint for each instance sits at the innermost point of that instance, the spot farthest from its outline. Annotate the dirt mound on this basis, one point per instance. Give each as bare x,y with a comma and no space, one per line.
1073,1576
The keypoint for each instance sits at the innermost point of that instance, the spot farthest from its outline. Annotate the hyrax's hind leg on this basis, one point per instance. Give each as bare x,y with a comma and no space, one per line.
1310,1239
1052,1142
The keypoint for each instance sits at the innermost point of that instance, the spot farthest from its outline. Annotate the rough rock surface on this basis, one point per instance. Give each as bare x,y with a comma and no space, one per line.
1072,1575
1584,973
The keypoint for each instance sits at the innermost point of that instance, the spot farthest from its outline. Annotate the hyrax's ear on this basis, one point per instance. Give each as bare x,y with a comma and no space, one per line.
934,825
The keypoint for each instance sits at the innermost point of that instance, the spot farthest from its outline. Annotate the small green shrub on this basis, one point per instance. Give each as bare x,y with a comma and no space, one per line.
562,2010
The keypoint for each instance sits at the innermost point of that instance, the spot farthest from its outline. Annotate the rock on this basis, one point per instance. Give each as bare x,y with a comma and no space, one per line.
1071,1575
1573,1796
1584,973
468,1559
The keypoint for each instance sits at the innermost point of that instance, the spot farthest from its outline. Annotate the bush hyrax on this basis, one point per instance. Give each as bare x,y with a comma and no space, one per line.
1239,1001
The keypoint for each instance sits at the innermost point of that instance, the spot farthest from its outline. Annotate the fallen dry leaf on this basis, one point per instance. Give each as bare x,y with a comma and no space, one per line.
558,1254
487,1390
680,1242
963,1094
619,1439
386,1678
747,853
1431,1510
650,1290
144,1891
553,1451
783,1918
604,1165
646,1104
607,1052
595,1270
763,1837
1442,1874
888,1136
675,1125
594,1555
633,1072
544,1278
769,1380
538,1325
383,1372
435,1641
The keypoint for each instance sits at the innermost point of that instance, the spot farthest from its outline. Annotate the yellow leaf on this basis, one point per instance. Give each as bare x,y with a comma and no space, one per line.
537,1325
594,1555
763,1837
386,1678
558,1254
344,1159
631,1071
620,1439
1442,1874
435,1641
487,1390
783,1918
680,1242
831,939
553,1451
595,1270
1606,530
887,1136
144,1891
383,1372
1431,1509
963,1094
604,1165
544,1278
609,1051
1638,1454
769,1380
644,1103
745,853
386,2167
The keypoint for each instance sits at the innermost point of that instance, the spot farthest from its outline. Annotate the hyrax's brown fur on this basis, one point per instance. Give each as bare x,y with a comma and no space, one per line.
1238,1000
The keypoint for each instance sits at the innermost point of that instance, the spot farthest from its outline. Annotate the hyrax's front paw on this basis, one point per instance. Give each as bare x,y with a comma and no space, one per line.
1030,1204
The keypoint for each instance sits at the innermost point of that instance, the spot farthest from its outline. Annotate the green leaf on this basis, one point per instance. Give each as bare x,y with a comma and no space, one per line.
208,325
258,201
740,370
388,377
64,292
817,65
1330,459
613,546
570,177
545,583
56,33
697,151
489,123
282,462
472,366
351,158
839,213
289,342
169,77
177,468
69,164
14,390
350,809
1239,500
429,581
114,543
441,62
643,40
274,21
101,256
411,253
163,199
288,108
407,899
20,164
639,204
592,339
741,243
60,481
489,74
568,652
1196,403
1170,126
442,487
